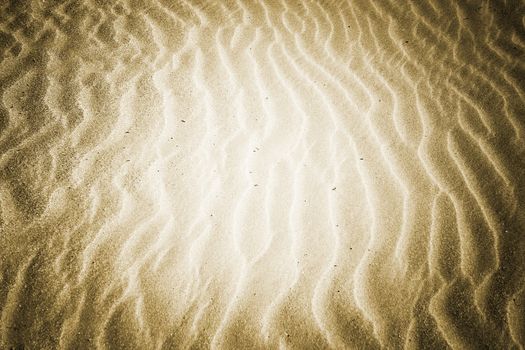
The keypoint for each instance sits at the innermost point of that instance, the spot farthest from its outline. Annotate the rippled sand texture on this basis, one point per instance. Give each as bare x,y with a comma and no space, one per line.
269,174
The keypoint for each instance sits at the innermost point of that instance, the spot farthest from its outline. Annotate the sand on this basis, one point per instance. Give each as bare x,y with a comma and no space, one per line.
262,174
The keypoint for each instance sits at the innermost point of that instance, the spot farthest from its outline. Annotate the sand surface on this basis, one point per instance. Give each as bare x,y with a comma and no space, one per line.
275,174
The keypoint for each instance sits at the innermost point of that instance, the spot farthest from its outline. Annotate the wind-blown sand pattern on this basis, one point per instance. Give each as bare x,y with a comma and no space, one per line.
247,174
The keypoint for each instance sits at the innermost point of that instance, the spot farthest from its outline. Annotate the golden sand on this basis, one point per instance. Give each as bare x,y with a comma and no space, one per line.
262,174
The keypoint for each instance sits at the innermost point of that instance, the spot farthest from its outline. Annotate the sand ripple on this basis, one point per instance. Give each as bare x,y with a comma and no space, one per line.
240,174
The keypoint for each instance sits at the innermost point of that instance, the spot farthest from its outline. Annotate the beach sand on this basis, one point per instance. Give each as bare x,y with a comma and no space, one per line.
262,174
